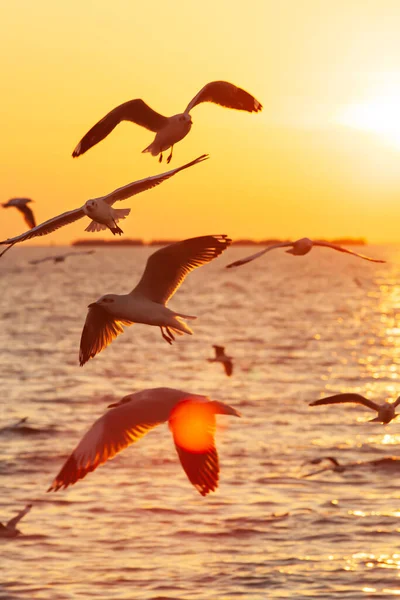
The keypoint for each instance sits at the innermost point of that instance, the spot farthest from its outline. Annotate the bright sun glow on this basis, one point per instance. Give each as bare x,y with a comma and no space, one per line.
380,115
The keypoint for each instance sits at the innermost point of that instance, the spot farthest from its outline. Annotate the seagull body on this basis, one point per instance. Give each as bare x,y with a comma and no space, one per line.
136,414
100,210
9,530
386,410
60,257
146,303
300,248
169,130
221,357
21,205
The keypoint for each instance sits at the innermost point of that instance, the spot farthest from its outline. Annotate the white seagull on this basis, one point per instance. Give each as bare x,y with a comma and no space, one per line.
169,130
10,530
221,357
299,248
386,410
191,419
100,209
58,258
21,205
146,303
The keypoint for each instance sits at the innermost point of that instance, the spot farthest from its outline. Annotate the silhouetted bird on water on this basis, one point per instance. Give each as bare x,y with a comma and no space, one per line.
21,205
221,357
10,530
387,463
386,410
60,257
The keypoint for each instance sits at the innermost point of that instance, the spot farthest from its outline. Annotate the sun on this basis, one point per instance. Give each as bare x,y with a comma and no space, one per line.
380,115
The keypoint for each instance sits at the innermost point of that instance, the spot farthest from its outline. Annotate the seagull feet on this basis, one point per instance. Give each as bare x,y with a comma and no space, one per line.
160,158
169,336
170,156
116,229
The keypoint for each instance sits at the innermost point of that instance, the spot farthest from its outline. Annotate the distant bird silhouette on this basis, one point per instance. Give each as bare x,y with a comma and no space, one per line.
386,463
191,418
225,360
100,209
300,248
60,257
21,205
10,530
386,411
169,130
165,271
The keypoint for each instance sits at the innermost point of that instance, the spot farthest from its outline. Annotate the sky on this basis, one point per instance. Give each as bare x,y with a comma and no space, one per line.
321,160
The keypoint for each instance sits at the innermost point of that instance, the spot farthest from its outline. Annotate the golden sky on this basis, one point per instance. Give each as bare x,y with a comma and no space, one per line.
322,159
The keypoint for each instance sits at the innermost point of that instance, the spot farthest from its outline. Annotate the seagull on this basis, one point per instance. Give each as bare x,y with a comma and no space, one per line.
10,530
225,360
60,257
387,463
169,130
21,205
100,209
146,303
386,410
191,419
299,248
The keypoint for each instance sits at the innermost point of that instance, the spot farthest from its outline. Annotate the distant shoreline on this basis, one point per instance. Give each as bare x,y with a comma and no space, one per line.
240,242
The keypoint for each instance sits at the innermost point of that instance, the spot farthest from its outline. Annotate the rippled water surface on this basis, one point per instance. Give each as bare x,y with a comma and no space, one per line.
299,328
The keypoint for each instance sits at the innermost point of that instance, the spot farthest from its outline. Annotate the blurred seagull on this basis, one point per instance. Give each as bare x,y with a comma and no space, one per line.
146,303
21,205
221,357
386,464
299,248
386,410
100,209
60,257
10,530
191,419
169,130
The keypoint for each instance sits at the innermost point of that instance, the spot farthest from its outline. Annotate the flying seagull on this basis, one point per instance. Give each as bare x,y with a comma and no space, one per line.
21,205
10,530
299,248
100,209
386,410
169,130
191,419
385,464
146,303
221,357
60,257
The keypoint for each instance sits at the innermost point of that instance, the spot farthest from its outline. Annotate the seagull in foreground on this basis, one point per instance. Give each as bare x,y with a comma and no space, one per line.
146,303
60,257
100,209
221,357
10,530
21,205
299,248
386,410
169,130
191,419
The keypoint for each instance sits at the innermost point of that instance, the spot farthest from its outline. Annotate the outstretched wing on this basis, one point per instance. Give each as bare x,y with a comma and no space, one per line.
341,249
146,184
225,94
228,366
167,268
28,215
14,521
136,111
248,259
111,433
344,398
98,332
219,350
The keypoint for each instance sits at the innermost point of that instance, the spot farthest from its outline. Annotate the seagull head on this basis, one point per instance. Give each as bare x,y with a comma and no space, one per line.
91,205
185,118
107,302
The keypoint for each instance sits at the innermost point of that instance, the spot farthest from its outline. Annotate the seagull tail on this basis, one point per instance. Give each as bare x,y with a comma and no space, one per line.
178,324
155,150
94,226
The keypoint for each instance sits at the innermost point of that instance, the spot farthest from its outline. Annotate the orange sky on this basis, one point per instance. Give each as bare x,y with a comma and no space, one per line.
322,159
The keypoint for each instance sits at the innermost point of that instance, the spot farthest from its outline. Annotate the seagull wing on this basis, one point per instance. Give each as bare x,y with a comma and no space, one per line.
146,184
396,402
111,433
48,226
341,249
219,351
225,94
228,366
28,215
40,260
136,111
343,398
243,261
100,329
167,268
13,522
